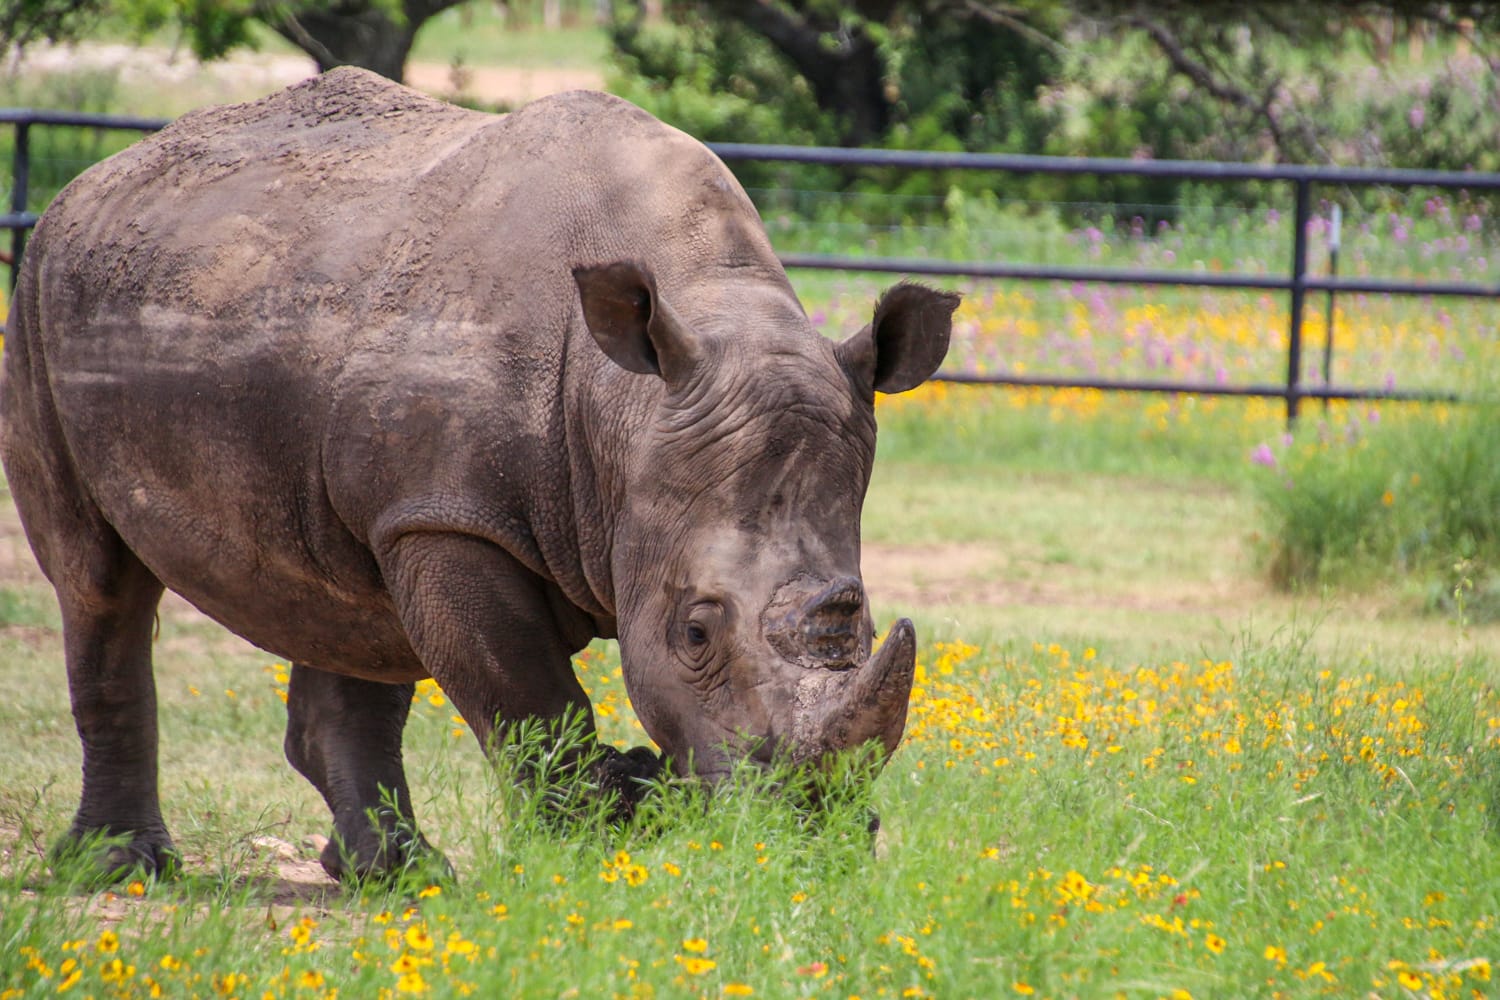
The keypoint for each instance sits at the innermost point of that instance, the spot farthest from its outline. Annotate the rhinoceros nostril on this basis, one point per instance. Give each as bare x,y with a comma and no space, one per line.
829,624
843,596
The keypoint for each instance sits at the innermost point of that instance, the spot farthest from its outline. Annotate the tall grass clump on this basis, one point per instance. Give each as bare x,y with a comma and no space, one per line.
1415,494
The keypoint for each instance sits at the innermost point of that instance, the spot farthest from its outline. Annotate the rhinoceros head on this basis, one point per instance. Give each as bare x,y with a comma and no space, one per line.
743,623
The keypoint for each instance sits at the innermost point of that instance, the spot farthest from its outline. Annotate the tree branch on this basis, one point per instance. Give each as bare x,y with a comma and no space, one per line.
281,19
1005,17
1201,75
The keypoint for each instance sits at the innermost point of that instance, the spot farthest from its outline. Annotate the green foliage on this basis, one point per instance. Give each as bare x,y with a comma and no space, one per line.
23,21
971,83
717,80
1070,80
1441,119
720,82
211,28
951,85
368,33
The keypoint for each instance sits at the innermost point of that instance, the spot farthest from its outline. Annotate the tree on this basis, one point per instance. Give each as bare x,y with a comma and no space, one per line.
1219,47
854,59
835,52
865,63
374,34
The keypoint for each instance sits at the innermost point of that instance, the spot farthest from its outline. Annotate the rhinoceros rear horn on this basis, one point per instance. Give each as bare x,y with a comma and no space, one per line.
631,322
905,342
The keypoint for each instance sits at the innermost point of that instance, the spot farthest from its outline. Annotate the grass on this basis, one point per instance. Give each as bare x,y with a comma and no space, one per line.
1417,496
1131,768
476,35
1179,827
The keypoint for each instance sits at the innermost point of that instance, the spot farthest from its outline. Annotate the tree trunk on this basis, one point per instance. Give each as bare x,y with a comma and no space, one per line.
841,62
355,34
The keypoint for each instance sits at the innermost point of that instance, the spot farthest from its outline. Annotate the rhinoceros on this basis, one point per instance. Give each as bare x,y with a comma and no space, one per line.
397,390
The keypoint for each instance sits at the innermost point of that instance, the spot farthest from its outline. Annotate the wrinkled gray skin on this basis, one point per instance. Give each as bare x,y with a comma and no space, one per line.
396,390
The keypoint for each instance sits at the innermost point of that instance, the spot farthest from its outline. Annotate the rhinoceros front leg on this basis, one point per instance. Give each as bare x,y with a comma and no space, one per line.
499,640
344,735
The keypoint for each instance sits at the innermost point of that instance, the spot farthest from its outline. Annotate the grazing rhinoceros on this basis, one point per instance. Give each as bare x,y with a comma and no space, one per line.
396,390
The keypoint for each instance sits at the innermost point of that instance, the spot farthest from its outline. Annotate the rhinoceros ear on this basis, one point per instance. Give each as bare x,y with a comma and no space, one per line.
632,324
905,342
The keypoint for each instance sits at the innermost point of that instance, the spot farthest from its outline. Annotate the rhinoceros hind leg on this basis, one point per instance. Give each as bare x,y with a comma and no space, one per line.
344,735
108,601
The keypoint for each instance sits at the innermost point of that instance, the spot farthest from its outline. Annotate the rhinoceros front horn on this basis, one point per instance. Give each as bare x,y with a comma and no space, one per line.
874,706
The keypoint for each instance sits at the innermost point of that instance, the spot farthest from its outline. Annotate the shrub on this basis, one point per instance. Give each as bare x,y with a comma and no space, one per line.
1418,494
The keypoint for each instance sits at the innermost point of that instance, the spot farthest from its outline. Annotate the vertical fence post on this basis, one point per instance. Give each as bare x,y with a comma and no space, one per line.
1335,238
1299,295
19,195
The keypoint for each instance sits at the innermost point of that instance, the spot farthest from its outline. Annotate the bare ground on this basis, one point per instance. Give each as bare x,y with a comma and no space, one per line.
935,576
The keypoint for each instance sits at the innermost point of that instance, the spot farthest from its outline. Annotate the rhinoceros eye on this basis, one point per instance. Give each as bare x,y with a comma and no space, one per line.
694,635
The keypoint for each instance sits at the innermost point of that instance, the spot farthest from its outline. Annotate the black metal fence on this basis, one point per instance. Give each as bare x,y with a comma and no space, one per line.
19,221
1297,283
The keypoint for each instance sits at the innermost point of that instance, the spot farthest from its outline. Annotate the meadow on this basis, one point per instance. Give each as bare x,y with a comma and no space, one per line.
1138,761
1133,766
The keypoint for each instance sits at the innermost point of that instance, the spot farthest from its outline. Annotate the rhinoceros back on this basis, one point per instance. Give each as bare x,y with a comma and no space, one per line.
259,329
356,199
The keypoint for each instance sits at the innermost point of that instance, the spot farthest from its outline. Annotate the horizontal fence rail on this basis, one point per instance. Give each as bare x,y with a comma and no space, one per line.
1296,283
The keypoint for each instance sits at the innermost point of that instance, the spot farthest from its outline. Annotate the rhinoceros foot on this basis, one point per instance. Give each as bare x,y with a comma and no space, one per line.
102,855
383,855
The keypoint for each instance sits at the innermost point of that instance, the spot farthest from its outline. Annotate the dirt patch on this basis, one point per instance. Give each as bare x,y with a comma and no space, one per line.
283,877
970,574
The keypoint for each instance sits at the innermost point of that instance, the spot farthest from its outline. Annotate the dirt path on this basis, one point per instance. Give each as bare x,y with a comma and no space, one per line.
248,75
